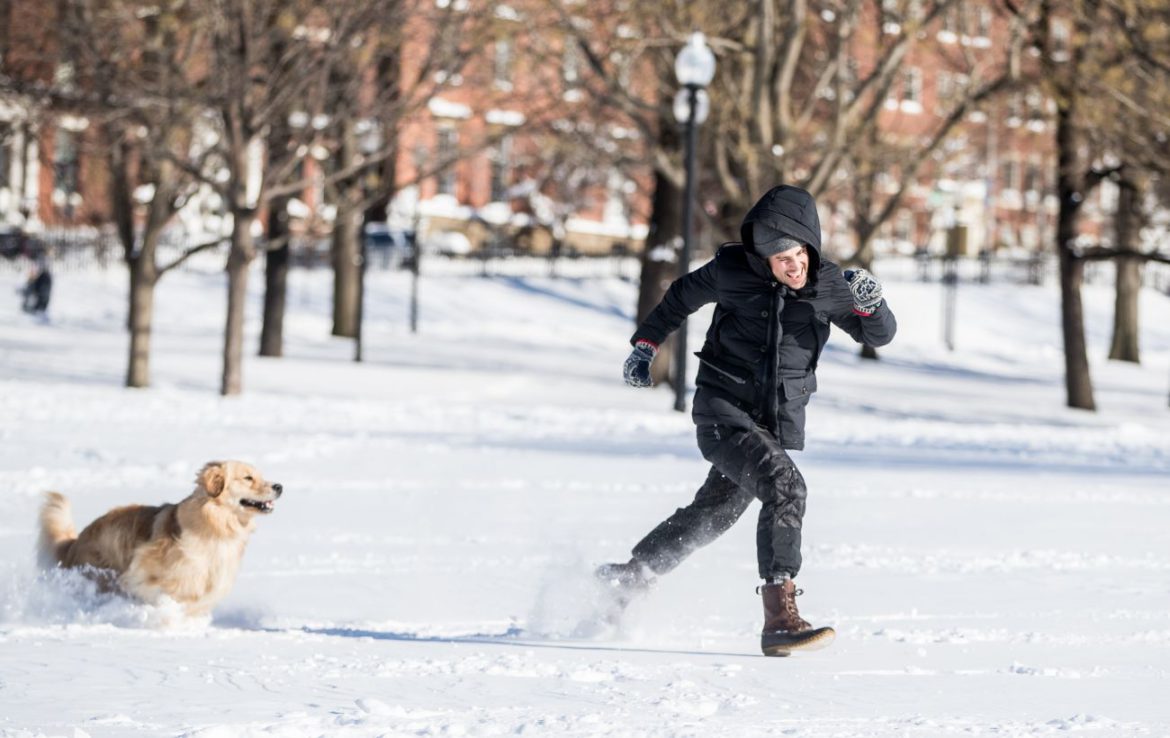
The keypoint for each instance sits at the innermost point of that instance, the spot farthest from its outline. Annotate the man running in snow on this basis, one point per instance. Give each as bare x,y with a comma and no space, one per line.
775,298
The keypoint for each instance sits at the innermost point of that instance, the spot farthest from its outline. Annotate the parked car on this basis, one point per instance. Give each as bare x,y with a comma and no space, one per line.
387,247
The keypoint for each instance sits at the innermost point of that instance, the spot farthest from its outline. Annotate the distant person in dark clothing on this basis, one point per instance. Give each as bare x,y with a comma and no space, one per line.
775,298
38,289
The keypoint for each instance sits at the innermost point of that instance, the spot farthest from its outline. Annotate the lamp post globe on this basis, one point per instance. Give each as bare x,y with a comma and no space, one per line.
695,64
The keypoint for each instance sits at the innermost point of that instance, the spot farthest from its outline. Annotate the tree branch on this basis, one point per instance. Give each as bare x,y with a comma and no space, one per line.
1102,253
188,253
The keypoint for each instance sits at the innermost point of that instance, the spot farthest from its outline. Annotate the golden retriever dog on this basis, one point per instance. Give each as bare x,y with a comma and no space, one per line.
188,551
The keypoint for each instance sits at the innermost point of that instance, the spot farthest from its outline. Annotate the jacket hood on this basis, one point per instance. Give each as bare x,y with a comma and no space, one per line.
787,210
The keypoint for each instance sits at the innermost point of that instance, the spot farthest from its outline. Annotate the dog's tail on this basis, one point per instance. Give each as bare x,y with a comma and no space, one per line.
57,531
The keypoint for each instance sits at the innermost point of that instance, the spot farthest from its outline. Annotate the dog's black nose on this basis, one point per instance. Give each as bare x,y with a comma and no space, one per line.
278,488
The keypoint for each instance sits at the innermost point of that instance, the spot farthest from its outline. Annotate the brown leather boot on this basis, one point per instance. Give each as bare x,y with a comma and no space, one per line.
784,630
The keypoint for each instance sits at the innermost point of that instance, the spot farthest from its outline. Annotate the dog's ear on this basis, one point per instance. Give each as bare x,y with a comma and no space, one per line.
213,478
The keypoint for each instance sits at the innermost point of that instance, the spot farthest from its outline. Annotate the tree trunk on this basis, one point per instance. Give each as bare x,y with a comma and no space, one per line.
1078,384
346,231
1071,189
660,265
143,278
1129,278
122,211
233,336
346,268
275,280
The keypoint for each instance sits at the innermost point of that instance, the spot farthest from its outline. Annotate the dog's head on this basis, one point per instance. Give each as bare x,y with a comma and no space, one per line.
238,487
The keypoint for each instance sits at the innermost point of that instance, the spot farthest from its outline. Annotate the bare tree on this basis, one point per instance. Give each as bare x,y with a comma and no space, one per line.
273,59
129,77
410,52
1085,71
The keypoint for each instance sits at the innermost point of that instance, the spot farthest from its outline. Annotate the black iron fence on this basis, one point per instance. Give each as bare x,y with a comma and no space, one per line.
1025,269
84,249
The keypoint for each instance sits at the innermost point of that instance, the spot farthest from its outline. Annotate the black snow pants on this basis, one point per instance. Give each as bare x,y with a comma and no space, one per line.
746,465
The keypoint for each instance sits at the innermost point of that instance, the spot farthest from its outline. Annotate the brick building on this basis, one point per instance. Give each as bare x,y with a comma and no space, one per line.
495,119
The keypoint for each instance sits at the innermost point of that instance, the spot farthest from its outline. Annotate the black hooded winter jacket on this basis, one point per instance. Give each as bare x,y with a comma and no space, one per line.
758,365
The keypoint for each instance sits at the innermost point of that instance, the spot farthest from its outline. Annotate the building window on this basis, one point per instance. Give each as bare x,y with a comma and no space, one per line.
1033,178
891,18
914,85
503,63
65,77
1034,186
571,63
65,163
953,22
6,135
501,169
983,22
1015,115
625,67
945,83
1035,104
1059,40
449,51
1010,175
912,89
447,152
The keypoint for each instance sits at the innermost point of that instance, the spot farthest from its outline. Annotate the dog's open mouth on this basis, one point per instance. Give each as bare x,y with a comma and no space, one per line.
263,506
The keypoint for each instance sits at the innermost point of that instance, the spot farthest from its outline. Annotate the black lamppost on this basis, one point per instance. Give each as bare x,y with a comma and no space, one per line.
369,135
695,67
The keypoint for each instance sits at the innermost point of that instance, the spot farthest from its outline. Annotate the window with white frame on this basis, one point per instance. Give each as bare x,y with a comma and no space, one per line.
891,17
982,22
953,22
447,151
625,65
501,169
6,136
502,65
1035,104
1060,40
1033,178
945,86
1009,175
912,88
571,63
1014,114
65,162
449,52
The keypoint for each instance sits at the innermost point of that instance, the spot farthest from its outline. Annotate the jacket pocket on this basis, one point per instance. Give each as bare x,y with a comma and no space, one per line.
731,379
797,393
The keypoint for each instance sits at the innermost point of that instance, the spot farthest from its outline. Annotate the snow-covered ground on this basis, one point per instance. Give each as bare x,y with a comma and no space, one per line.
995,564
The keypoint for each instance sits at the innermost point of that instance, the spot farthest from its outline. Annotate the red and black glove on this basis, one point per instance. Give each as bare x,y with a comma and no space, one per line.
867,291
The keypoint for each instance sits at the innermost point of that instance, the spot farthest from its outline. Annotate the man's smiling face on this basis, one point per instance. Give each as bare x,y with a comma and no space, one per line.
791,266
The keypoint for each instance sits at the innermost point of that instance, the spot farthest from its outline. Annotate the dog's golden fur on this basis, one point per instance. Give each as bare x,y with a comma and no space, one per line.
188,551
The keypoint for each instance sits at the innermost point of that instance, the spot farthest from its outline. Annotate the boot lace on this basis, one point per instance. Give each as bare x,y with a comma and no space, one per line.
790,607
